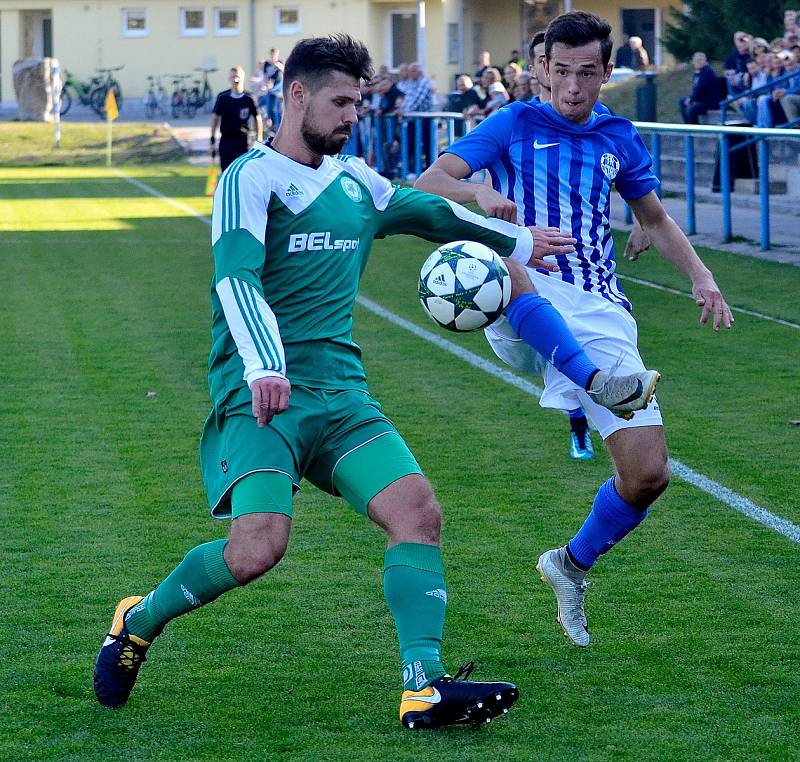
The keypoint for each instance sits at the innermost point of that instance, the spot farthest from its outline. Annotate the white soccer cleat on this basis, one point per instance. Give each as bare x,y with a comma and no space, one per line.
569,589
624,395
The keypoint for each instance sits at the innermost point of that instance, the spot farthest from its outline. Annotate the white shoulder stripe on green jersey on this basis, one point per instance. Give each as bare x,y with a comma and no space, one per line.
231,217
253,327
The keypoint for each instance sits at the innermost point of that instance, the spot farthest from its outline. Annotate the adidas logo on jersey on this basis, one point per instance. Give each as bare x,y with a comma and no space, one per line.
321,242
293,191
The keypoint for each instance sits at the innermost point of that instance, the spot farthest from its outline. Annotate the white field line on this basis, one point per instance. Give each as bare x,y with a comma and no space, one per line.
675,291
698,480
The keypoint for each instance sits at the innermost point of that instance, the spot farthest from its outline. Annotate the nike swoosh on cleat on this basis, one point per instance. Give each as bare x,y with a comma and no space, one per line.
537,145
632,397
434,698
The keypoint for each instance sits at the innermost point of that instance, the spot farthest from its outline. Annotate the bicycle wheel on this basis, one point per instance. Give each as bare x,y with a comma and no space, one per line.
97,101
208,97
66,102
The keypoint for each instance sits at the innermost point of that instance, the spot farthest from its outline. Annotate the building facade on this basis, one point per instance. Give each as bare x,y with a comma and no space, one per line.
166,37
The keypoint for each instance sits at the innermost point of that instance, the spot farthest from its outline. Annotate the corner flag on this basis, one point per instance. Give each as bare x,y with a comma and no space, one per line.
112,112
212,179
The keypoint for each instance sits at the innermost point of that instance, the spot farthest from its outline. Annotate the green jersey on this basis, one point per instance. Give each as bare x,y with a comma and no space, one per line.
290,245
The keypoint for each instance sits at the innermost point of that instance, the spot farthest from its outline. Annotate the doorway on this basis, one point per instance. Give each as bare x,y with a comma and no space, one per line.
641,22
402,38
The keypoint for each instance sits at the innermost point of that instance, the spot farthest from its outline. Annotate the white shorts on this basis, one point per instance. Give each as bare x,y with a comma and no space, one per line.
606,331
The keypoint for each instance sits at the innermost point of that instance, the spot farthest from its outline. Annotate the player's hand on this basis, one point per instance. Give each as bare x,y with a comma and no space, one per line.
638,242
270,397
546,243
495,204
708,297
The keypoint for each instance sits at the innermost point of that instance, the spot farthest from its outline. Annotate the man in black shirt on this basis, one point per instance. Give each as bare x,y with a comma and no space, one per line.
232,112
736,63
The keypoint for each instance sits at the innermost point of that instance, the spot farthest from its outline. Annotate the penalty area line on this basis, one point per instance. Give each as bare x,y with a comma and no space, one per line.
699,481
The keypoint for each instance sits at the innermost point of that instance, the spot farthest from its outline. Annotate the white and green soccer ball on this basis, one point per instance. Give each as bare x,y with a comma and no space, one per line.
464,286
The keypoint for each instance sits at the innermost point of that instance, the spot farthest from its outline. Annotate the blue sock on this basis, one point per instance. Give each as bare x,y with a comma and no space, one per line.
610,520
576,413
540,324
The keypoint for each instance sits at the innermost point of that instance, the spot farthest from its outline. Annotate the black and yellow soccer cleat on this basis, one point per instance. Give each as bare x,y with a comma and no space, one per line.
456,701
120,658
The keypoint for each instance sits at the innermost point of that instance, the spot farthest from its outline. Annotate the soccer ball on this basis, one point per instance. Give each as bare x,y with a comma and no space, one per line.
464,286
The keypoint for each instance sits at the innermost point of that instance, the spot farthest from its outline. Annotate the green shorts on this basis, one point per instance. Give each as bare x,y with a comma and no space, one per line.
339,440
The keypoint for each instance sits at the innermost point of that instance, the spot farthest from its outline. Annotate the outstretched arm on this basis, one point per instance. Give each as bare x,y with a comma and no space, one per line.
444,178
674,246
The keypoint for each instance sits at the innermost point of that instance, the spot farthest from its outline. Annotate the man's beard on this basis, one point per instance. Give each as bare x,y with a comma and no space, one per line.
320,143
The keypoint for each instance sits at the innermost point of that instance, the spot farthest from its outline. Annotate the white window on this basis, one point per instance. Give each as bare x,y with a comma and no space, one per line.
134,22
287,20
226,21
193,22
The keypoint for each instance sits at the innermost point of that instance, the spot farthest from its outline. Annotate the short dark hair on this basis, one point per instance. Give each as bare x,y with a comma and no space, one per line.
314,59
579,28
537,39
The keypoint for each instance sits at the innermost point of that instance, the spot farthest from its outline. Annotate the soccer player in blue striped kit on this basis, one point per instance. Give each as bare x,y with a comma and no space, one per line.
554,164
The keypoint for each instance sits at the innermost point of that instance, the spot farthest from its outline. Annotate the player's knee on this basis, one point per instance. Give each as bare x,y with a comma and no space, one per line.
652,479
414,515
254,549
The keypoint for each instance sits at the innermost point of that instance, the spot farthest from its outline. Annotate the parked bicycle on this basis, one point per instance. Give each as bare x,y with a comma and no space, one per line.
203,96
108,83
155,102
182,103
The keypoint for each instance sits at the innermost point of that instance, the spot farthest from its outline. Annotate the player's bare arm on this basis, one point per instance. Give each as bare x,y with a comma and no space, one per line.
638,242
674,246
270,397
444,178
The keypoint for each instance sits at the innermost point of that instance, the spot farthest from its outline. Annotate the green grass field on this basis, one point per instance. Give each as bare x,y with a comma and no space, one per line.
694,618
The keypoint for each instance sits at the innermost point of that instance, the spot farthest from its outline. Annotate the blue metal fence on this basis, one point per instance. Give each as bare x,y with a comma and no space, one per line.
402,147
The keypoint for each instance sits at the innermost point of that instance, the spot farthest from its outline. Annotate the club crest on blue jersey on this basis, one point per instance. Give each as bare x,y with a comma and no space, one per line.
610,165
351,188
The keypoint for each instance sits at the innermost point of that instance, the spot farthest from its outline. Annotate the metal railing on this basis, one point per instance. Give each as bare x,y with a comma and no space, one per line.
759,135
416,131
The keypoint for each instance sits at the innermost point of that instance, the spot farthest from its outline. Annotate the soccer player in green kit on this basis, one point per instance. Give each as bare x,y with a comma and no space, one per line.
292,228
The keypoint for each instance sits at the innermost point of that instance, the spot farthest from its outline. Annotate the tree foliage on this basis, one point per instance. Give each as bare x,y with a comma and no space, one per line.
708,26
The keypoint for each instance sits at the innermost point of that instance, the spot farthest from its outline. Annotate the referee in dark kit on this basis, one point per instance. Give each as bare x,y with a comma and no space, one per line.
232,112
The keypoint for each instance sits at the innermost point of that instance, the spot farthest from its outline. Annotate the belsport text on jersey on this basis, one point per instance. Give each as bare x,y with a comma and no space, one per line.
320,242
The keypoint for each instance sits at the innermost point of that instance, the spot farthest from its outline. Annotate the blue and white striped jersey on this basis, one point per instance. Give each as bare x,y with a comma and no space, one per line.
559,174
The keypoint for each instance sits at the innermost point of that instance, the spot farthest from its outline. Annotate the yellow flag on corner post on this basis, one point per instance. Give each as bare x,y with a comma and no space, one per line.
212,179
112,112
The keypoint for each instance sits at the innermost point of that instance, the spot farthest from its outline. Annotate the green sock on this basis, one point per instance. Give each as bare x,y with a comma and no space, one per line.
201,577
413,583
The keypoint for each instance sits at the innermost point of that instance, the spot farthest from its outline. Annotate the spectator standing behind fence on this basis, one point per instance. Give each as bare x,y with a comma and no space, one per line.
232,112
736,62
418,99
640,60
624,58
523,87
705,91
485,62
273,81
